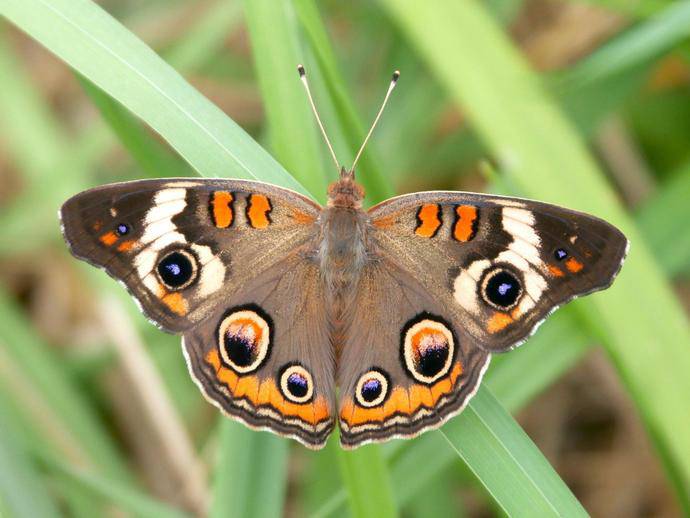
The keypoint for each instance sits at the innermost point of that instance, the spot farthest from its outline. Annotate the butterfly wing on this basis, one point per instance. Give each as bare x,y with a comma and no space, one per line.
181,245
498,265
406,366
227,263
453,278
265,357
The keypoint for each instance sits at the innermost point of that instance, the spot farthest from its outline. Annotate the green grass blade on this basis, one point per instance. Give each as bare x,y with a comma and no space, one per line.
664,220
369,492
293,136
544,157
153,159
99,48
22,491
250,473
205,37
640,44
496,449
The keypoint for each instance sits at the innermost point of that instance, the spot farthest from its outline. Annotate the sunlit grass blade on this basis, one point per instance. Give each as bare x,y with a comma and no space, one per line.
153,159
495,448
540,151
250,473
110,56
664,222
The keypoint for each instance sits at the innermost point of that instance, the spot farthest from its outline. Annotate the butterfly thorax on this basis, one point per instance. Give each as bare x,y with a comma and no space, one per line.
342,248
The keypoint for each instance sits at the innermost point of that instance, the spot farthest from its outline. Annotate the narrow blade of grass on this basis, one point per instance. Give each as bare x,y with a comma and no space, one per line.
250,473
369,491
153,159
495,448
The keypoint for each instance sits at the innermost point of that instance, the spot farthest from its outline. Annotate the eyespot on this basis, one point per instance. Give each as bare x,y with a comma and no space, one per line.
372,388
177,270
560,254
244,340
428,347
122,229
296,384
501,289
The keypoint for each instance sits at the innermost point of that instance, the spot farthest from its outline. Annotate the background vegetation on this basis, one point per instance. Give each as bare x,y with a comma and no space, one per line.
584,104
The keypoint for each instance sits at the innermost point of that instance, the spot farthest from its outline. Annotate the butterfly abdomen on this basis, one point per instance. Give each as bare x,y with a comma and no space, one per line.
342,256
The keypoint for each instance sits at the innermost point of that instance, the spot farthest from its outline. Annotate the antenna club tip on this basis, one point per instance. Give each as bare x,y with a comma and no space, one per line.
396,76
301,71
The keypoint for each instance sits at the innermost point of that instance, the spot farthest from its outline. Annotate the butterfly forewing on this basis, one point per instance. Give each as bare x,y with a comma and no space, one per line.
498,265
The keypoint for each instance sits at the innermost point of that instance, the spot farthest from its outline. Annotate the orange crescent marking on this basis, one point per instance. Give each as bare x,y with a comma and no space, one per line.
440,388
498,322
221,209
248,387
320,409
346,410
108,238
265,392
456,372
174,301
556,271
465,223
362,415
257,211
126,246
429,220
573,265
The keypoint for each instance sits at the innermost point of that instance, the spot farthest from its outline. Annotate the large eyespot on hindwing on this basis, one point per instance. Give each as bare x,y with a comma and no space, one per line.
372,388
500,288
244,339
296,383
177,269
427,348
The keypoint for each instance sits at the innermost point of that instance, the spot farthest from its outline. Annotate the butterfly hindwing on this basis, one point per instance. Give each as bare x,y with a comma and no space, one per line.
499,265
264,357
406,365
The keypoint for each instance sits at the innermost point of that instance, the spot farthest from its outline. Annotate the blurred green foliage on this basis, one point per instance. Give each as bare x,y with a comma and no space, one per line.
70,445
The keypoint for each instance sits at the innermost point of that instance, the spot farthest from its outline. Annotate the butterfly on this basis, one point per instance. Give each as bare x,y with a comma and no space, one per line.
296,316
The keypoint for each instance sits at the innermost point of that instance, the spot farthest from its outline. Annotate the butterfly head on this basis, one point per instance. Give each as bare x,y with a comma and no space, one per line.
345,192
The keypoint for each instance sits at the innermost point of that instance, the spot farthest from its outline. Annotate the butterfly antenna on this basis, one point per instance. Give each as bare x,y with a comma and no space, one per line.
303,78
394,81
